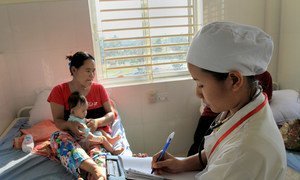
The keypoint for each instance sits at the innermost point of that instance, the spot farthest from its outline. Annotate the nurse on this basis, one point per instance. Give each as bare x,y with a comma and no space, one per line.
245,142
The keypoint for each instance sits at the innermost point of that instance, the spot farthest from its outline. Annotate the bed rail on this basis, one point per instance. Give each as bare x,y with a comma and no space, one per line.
24,111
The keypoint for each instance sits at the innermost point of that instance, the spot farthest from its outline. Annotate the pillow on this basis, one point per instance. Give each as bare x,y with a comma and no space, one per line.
285,105
41,131
290,132
41,108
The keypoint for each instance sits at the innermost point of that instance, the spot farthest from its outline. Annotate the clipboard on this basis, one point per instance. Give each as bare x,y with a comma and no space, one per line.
114,168
115,171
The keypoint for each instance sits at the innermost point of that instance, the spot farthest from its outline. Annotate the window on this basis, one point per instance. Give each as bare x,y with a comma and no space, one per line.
213,10
137,41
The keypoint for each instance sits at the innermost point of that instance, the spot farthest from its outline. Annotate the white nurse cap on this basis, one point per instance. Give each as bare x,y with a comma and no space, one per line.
225,46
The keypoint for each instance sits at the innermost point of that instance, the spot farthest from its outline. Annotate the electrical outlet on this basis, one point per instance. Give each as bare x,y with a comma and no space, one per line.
152,97
163,96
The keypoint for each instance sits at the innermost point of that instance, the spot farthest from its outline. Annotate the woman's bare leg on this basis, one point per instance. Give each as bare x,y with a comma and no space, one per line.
90,166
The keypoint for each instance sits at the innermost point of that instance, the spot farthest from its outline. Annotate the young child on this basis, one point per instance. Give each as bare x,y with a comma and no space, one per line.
78,106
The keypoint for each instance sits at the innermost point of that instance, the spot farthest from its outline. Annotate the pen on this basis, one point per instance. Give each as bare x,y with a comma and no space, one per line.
165,148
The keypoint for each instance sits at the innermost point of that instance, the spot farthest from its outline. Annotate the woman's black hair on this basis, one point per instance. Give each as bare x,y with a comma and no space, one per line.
223,76
77,60
216,75
252,81
76,98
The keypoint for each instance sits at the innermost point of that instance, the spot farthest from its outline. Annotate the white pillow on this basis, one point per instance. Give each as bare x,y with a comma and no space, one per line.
41,109
285,105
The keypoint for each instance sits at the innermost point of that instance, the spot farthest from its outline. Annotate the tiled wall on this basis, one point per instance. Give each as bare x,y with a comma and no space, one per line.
7,111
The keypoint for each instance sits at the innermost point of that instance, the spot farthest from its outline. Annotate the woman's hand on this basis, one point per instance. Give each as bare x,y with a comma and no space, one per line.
168,164
75,128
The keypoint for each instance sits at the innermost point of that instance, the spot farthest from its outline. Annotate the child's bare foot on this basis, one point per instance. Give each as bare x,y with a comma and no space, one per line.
140,155
99,173
113,140
118,151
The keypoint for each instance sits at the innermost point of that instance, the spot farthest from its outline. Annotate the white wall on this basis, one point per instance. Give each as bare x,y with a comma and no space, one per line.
289,53
148,125
272,27
35,38
7,111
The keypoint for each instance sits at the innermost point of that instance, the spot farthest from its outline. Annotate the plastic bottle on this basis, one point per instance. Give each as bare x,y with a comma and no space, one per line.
27,144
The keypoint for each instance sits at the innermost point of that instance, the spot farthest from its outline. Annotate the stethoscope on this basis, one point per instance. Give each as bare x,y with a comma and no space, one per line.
215,124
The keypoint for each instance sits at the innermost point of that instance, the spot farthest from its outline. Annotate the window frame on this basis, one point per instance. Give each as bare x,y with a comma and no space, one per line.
116,82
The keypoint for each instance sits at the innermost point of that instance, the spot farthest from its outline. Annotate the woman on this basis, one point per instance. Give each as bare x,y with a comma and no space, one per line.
245,143
70,153
207,116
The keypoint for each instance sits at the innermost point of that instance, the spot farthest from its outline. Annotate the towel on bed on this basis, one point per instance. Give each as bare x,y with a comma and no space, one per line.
41,133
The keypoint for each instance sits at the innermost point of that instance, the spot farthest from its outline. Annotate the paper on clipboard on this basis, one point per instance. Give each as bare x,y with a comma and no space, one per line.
144,165
134,169
135,174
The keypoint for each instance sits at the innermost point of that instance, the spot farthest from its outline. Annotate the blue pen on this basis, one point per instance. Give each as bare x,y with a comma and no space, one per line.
165,148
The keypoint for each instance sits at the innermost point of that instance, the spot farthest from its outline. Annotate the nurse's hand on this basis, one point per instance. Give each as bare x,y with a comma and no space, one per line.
168,164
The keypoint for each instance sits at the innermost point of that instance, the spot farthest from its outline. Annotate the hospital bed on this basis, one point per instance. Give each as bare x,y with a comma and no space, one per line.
285,105
15,164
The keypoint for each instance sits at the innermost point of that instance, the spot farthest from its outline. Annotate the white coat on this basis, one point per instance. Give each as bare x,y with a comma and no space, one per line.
253,149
